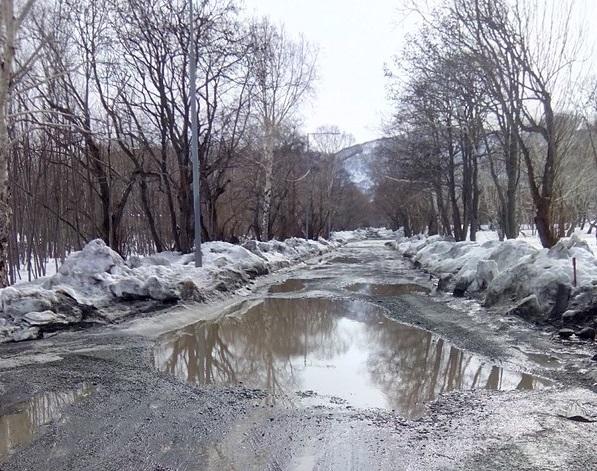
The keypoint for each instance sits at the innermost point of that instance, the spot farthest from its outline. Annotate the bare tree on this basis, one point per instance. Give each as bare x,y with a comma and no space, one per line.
11,24
526,51
491,77
284,72
96,119
329,140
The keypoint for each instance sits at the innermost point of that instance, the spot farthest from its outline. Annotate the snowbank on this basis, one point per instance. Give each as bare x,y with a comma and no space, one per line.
368,233
95,282
539,280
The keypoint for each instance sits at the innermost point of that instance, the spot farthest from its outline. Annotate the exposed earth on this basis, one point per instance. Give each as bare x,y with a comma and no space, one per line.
349,362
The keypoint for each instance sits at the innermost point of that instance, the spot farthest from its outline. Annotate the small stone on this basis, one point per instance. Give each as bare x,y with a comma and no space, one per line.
588,333
569,317
566,333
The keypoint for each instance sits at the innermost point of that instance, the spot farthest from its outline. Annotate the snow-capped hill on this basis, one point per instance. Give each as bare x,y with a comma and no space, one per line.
358,160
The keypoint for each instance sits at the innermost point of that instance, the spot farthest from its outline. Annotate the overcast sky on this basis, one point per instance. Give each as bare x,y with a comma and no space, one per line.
355,39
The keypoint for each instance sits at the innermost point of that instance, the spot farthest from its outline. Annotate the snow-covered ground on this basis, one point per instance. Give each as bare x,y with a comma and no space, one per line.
98,285
540,282
24,274
532,238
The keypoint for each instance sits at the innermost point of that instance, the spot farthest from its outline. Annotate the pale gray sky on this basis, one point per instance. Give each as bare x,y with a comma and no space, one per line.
355,39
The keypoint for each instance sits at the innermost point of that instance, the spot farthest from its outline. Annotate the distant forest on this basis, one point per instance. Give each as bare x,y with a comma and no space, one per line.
495,106
493,123
96,131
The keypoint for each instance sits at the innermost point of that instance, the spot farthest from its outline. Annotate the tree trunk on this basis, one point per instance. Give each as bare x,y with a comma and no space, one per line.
541,199
185,205
512,173
443,213
467,187
433,226
474,220
5,210
171,208
8,28
543,223
456,221
268,167
159,247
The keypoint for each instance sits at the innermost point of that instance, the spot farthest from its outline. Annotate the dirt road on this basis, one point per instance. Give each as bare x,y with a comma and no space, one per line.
349,363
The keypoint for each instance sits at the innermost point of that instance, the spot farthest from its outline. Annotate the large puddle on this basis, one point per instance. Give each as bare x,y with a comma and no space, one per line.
292,285
287,286
18,427
383,289
346,260
332,352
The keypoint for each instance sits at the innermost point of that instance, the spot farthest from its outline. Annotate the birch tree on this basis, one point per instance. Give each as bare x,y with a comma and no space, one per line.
11,22
283,72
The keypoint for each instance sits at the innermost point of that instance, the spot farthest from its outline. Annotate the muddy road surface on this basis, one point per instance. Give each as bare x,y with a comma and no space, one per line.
350,362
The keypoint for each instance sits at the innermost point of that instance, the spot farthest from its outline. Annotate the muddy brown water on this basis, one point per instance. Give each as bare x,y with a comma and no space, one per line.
290,285
19,425
346,260
293,285
382,289
333,352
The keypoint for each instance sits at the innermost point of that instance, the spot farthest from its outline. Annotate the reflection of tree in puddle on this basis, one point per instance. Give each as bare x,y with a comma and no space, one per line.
264,348
413,367
18,427
342,348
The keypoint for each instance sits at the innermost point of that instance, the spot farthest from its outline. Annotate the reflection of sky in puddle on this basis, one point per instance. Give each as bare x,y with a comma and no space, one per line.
18,427
325,376
336,348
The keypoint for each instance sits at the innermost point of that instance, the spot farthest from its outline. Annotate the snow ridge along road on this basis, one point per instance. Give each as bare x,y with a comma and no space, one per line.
97,286
539,285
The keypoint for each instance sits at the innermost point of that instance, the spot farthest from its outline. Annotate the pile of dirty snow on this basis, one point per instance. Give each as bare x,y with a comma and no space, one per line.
368,233
539,281
95,282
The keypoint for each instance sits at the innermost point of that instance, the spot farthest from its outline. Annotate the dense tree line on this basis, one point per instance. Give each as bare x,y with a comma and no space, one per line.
95,137
492,123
